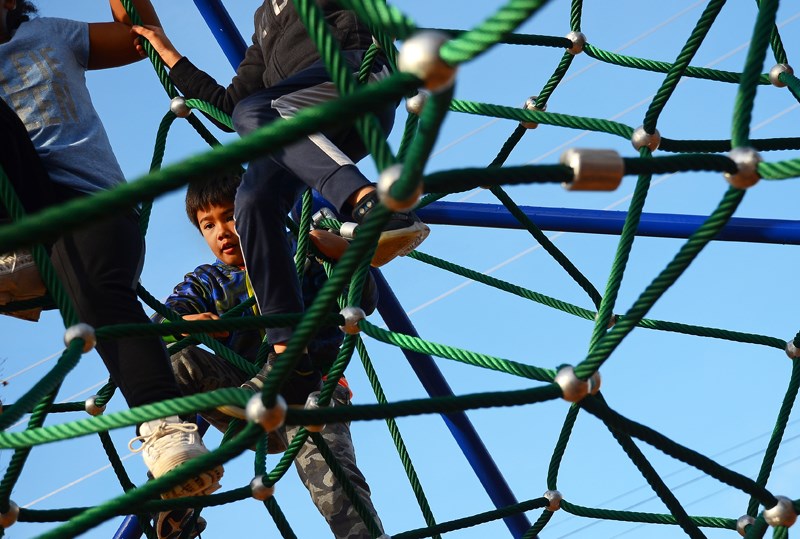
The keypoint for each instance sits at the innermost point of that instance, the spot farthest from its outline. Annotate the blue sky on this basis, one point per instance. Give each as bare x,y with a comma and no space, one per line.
716,397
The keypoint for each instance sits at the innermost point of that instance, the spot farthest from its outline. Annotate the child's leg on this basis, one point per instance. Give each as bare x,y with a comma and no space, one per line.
325,490
326,161
323,161
272,183
262,202
99,266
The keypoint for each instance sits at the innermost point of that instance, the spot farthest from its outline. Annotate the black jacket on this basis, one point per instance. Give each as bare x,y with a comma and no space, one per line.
281,47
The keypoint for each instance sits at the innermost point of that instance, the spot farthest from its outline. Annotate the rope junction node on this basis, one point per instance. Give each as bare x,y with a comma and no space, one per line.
424,72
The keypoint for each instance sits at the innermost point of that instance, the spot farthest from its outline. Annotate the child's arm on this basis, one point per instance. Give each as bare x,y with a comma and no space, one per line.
110,43
205,316
195,83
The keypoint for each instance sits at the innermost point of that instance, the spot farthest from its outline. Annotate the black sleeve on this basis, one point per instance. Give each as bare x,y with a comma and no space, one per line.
195,83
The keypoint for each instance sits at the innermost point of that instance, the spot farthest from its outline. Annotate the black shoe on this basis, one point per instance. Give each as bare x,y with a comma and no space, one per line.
401,235
305,378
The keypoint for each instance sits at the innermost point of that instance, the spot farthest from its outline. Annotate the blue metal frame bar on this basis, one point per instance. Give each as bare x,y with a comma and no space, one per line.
129,529
225,32
459,424
660,225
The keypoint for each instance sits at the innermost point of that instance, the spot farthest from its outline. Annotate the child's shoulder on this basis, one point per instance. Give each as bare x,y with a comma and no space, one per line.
54,30
56,25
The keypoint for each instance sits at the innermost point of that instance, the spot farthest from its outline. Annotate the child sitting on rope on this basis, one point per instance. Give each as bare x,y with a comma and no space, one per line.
210,291
282,73
53,148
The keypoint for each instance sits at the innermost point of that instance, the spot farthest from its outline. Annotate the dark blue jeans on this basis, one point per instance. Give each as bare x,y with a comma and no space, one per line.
272,184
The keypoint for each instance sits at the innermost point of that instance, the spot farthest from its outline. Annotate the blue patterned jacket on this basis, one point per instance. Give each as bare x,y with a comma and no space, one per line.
217,288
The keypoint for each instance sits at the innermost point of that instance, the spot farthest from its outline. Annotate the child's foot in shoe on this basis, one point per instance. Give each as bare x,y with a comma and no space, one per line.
402,234
166,444
304,379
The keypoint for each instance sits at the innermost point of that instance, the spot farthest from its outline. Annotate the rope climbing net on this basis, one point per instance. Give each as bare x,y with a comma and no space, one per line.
425,69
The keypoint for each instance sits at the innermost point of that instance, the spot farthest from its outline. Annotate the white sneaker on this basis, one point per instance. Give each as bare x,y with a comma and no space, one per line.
168,443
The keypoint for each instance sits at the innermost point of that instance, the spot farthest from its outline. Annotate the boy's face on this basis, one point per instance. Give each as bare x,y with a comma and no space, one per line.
217,226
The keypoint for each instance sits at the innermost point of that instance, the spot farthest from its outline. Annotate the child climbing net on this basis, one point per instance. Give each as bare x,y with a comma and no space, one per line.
429,60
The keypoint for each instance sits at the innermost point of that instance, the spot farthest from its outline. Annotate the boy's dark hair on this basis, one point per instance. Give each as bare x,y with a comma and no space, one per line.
203,194
20,14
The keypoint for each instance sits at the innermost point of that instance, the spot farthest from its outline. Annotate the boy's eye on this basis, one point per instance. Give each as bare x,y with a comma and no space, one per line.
208,226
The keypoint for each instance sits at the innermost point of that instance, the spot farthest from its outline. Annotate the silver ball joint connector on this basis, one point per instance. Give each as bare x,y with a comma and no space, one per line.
259,490
8,518
642,138
578,41
179,107
270,419
312,403
742,523
387,179
791,350
776,71
747,160
593,170
419,56
530,104
573,388
554,497
91,407
416,103
782,514
82,331
352,316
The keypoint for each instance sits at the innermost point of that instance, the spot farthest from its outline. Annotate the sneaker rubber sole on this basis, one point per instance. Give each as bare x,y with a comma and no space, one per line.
202,484
400,242
170,524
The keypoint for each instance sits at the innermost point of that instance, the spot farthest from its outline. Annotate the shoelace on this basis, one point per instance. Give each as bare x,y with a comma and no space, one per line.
11,260
164,429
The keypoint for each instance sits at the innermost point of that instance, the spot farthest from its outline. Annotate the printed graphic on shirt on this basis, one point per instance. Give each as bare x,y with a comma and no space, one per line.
35,71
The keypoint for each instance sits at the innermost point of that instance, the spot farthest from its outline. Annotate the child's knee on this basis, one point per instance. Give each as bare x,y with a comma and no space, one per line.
252,113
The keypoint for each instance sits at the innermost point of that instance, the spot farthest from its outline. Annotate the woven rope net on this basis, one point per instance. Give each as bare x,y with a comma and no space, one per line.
740,158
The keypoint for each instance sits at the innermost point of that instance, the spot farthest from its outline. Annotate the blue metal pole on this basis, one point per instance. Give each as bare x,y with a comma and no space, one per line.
225,32
129,529
459,424
661,225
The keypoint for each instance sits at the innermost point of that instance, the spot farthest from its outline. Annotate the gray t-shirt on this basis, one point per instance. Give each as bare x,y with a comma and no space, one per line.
43,78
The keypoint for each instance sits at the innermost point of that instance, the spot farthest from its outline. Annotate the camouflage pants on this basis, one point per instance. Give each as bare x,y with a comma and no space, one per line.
198,370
